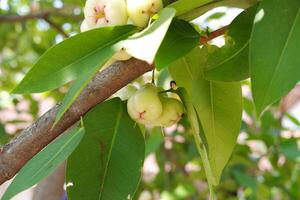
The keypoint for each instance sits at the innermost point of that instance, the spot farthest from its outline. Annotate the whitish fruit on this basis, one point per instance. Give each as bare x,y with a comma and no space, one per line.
84,27
140,11
145,106
172,112
99,13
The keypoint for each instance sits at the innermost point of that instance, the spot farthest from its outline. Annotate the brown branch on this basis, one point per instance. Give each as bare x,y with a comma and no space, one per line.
213,35
56,27
34,138
38,15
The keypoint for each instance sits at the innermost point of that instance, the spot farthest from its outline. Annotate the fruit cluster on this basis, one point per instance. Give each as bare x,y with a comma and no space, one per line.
149,107
100,13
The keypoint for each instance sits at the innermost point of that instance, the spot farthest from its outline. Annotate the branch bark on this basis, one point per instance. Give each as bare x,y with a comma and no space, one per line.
34,138
38,15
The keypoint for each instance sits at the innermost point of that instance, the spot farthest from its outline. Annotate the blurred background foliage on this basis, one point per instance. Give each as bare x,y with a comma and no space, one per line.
266,160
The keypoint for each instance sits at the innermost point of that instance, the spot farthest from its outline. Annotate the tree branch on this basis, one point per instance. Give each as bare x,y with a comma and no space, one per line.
38,15
213,35
56,27
34,138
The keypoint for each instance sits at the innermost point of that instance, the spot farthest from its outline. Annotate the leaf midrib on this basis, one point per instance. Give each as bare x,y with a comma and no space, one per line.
212,112
55,155
230,57
213,123
111,42
118,120
280,58
187,68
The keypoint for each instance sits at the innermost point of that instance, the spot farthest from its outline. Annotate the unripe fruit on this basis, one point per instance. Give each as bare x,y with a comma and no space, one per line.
84,27
171,114
140,11
99,13
145,106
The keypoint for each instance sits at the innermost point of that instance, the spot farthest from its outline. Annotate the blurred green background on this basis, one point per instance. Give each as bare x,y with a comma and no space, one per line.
265,163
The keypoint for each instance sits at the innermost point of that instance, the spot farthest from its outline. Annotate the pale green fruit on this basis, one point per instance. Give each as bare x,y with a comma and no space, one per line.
122,55
126,92
172,112
100,13
140,11
84,27
145,106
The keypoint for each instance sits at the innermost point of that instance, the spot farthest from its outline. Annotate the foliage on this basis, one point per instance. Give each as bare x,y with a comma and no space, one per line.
261,43
44,162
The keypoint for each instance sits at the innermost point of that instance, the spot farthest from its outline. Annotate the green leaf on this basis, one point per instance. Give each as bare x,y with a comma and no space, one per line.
107,163
79,84
4,137
231,63
184,6
199,137
193,14
45,162
292,119
144,45
274,51
71,58
244,179
154,141
289,148
180,39
218,105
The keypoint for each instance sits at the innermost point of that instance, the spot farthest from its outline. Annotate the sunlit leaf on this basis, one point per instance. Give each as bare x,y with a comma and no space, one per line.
107,163
274,51
45,162
144,45
71,58
218,105
179,40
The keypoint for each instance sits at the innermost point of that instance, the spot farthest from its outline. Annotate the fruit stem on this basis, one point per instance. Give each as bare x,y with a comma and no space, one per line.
169,90
153,76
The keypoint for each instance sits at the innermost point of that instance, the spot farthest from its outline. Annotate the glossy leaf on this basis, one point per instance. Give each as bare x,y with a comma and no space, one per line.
71,58
195,13
4,137
180,39
184,6
154,141
79,84
218,105
199,136
274,51
110,156
290,149
230,62
45,162
144,45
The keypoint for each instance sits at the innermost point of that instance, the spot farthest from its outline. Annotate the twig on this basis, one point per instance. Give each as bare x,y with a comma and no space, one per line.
37,15
213,35
56,27
34,138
